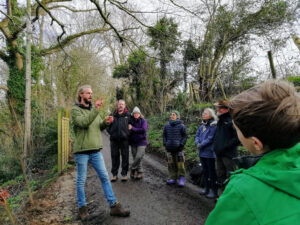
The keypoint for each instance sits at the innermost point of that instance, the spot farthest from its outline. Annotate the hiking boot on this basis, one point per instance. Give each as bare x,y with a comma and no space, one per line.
114,179
212,194
204,191
117,210
124,178
171,181
139,176
83,213
132,172
181,181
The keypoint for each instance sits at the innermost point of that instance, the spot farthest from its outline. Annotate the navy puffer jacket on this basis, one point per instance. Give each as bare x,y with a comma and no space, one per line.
174,136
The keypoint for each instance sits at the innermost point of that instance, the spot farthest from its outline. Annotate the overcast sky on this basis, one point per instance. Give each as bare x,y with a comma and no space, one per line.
285,58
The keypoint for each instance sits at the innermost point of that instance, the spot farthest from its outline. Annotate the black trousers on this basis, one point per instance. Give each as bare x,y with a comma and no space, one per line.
119,148
209,173
225,165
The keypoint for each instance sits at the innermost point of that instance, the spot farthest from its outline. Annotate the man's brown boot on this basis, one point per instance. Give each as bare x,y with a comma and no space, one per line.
83,213
124,178
117,210
114,179
139,176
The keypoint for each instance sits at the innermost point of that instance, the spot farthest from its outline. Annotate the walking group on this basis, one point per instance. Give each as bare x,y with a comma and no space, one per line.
265,119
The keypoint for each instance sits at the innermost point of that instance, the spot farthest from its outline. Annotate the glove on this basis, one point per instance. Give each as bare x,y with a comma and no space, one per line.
199,146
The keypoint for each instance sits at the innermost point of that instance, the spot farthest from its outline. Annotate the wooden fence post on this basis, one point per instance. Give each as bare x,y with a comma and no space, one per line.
59,137
63,139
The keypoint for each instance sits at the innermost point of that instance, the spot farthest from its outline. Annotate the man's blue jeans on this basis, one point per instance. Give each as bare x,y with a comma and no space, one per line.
97,161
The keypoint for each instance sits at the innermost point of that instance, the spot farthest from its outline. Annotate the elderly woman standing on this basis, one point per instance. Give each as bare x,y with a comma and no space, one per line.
138,141
204,141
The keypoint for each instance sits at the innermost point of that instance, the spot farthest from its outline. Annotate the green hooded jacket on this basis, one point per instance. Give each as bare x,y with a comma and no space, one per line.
266,194
87,125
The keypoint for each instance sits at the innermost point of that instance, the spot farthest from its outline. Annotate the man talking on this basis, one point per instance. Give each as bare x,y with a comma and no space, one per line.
87,149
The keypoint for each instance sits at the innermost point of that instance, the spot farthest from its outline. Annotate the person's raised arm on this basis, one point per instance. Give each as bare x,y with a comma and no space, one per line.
83,120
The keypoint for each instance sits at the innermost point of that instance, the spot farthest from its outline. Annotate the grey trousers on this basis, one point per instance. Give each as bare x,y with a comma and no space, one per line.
138,153
225,165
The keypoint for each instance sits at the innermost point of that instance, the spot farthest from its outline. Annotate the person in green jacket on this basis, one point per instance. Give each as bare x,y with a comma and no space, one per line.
267,120
87,125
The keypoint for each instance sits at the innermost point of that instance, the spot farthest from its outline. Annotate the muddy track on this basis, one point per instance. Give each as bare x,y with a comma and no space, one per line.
150,200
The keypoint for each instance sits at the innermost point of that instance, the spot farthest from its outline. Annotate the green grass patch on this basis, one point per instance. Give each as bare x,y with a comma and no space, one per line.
15,181
68,219
15,202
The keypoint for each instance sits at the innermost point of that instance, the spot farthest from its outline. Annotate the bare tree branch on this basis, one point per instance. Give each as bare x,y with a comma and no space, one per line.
9,11
119,5
4,88
53,19
21,28
35,8
53,1
71,9
6,15
68,40
4,28
107,21
185,9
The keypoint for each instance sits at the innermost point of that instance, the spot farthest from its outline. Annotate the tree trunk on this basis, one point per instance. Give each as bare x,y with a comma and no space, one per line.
185,77
273,70
27,113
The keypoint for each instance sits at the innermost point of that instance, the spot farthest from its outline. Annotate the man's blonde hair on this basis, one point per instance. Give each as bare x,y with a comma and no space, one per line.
81,90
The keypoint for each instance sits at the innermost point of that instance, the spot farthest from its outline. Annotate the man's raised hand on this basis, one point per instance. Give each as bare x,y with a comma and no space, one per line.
99,103
109,119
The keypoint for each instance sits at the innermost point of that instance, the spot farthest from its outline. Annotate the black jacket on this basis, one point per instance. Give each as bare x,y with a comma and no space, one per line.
174,136
226,140
118,129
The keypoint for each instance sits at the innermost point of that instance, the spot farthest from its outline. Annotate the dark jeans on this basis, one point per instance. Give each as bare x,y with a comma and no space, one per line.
225,165
117,148
209,173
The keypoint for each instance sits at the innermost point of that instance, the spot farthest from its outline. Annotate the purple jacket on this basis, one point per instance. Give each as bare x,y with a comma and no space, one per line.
138,136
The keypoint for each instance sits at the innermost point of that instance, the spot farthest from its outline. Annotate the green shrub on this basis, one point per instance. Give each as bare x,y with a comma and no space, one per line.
9,167
155,137
45,143
199,107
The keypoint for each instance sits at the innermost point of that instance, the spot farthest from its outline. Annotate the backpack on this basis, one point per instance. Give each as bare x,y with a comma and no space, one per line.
196,175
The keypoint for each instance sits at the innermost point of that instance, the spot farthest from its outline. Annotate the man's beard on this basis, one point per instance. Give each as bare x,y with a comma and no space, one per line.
87,101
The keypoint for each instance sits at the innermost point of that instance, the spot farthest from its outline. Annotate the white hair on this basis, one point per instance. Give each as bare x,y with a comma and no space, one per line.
211,113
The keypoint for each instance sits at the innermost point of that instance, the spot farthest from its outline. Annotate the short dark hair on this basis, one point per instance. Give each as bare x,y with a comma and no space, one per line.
270,112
